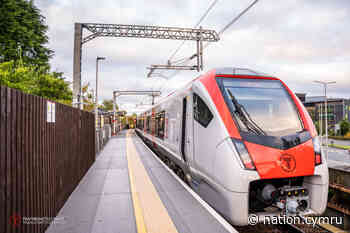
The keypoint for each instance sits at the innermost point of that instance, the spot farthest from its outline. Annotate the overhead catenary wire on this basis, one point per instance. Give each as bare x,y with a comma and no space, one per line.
195,26
211,6
237,17
186,60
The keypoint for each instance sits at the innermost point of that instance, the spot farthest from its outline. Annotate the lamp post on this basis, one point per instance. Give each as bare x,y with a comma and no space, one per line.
96,91
320,117
325,108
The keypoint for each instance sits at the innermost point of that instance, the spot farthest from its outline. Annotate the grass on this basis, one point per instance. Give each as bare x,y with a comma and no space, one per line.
339,146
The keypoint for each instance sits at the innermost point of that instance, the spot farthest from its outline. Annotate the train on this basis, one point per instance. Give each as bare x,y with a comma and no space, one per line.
243,141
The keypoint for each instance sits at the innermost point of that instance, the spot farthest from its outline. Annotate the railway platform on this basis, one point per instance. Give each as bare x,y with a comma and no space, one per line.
338,155
128,189
339,165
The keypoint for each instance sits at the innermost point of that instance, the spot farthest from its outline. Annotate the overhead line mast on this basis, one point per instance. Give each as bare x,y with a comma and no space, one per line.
170,65
134,31
195,26
178,49
185,61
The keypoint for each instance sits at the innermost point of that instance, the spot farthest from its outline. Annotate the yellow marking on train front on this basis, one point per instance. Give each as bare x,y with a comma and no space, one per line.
150,214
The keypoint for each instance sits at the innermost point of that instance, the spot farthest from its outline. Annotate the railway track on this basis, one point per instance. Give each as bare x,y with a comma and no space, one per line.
308,228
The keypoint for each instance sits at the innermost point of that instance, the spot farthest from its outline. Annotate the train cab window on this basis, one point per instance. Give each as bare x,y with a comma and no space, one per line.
261,106
201,112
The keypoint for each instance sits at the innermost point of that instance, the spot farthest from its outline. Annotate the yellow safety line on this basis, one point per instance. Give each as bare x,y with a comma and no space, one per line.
150,213
140,224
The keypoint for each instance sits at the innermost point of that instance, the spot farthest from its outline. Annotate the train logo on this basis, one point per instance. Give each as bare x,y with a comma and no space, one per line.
288,162
15,220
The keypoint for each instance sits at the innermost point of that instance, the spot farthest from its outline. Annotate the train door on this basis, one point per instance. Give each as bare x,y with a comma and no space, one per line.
187,130
203,147
202,132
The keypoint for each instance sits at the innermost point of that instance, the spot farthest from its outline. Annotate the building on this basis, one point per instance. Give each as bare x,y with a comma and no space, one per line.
338,108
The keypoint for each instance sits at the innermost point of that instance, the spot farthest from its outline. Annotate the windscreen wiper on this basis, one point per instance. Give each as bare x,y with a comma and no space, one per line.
245,117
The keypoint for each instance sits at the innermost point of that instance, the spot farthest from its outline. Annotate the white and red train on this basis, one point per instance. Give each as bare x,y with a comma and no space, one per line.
243,141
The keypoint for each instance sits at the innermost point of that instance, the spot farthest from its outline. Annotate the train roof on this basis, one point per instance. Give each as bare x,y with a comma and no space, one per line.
239,71
216,71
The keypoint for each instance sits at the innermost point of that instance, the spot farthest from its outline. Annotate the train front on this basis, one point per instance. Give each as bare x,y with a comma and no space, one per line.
282,169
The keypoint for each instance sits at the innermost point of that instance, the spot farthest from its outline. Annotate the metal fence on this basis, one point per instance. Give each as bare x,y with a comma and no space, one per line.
46,148
102,136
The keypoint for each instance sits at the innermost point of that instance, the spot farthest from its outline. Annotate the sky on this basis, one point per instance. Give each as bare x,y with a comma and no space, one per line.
298,41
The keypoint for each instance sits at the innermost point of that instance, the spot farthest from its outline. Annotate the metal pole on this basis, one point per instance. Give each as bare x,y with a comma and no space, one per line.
78,31
114,110
320,113
96,91
198,51
201,49
198,56
326,114
96,95
326,111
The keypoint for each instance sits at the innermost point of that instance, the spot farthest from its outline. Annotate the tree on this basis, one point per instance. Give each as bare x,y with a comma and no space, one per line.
344,127
124,120
88,98
23,33
24,57
107,105
36,81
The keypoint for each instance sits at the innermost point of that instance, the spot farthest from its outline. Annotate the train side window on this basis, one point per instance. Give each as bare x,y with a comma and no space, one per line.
148,128
160,122
201,112
140,123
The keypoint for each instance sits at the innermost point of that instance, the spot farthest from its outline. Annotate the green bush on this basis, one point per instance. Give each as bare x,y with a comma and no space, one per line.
344,127
35,80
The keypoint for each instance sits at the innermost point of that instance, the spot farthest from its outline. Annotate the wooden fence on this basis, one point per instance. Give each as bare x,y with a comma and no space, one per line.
41,162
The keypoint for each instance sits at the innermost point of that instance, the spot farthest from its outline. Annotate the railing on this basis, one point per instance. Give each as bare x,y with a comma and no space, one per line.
102,136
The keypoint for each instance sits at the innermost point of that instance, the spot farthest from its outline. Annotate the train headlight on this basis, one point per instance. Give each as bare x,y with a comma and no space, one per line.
317,149
243,154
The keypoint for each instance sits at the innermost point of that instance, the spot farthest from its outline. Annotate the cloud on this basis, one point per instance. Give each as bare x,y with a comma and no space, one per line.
298,41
